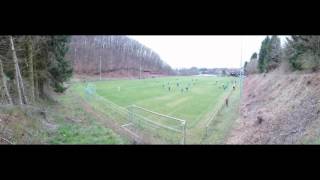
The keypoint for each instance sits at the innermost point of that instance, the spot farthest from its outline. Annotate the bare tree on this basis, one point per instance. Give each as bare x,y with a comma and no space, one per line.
4,82
29,48
17,70
19,80
118,54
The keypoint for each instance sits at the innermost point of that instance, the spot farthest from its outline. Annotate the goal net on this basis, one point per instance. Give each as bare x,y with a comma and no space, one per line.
163,129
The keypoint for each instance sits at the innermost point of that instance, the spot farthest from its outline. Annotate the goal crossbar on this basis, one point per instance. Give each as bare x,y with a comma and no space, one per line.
181,122
157,124
170,117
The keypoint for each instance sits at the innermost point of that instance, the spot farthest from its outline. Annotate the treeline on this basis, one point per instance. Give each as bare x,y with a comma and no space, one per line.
251,67
117,54
31,67
301,53
212,71
187,71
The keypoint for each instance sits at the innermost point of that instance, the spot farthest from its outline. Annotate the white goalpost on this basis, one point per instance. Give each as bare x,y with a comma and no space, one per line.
167,128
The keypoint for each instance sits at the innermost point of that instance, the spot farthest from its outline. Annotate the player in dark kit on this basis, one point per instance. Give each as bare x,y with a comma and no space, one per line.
227,102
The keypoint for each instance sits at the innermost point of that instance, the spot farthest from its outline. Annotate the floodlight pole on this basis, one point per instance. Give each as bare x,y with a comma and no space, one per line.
100,68
140,69
241,70
75,55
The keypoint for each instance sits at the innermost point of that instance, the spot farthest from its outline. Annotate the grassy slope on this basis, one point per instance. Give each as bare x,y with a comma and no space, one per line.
224,121
76,126
69,133
288,105
66,123
19,127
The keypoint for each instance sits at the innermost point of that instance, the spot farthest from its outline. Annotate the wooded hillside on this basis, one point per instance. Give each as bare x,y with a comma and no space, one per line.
31,66
118,54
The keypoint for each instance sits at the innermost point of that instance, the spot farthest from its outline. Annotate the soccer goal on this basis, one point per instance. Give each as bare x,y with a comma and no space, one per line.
161,128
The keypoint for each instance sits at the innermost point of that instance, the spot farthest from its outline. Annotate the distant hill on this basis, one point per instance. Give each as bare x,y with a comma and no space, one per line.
120,56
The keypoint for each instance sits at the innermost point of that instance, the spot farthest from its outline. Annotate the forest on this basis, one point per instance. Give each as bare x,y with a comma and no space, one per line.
299,53
32,67
114,54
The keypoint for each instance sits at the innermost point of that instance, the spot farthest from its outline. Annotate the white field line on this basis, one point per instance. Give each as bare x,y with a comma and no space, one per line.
170,117
125,125
158,124
125,111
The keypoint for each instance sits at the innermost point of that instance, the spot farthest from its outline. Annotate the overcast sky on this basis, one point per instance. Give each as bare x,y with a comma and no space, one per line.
203,51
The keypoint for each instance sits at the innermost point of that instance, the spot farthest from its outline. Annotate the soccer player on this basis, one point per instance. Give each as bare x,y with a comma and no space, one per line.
227,102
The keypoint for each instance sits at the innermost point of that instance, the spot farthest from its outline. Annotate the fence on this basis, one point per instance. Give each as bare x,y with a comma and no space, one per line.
220,106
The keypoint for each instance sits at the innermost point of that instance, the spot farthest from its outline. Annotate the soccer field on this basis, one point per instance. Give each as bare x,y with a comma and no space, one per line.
190,98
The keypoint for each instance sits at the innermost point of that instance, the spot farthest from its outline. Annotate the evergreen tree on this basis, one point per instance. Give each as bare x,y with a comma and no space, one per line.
60,68
264,54
274,53
251,67
254,56
245,68
303,52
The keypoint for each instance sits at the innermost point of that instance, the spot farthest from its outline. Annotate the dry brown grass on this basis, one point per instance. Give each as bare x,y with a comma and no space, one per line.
288,104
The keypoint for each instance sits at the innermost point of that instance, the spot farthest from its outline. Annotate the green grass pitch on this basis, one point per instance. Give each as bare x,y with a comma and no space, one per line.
189,98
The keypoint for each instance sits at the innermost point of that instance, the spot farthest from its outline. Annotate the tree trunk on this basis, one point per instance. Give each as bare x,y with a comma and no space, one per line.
4,82
36,85
22,88
41,89
16,70
18,75
30,64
